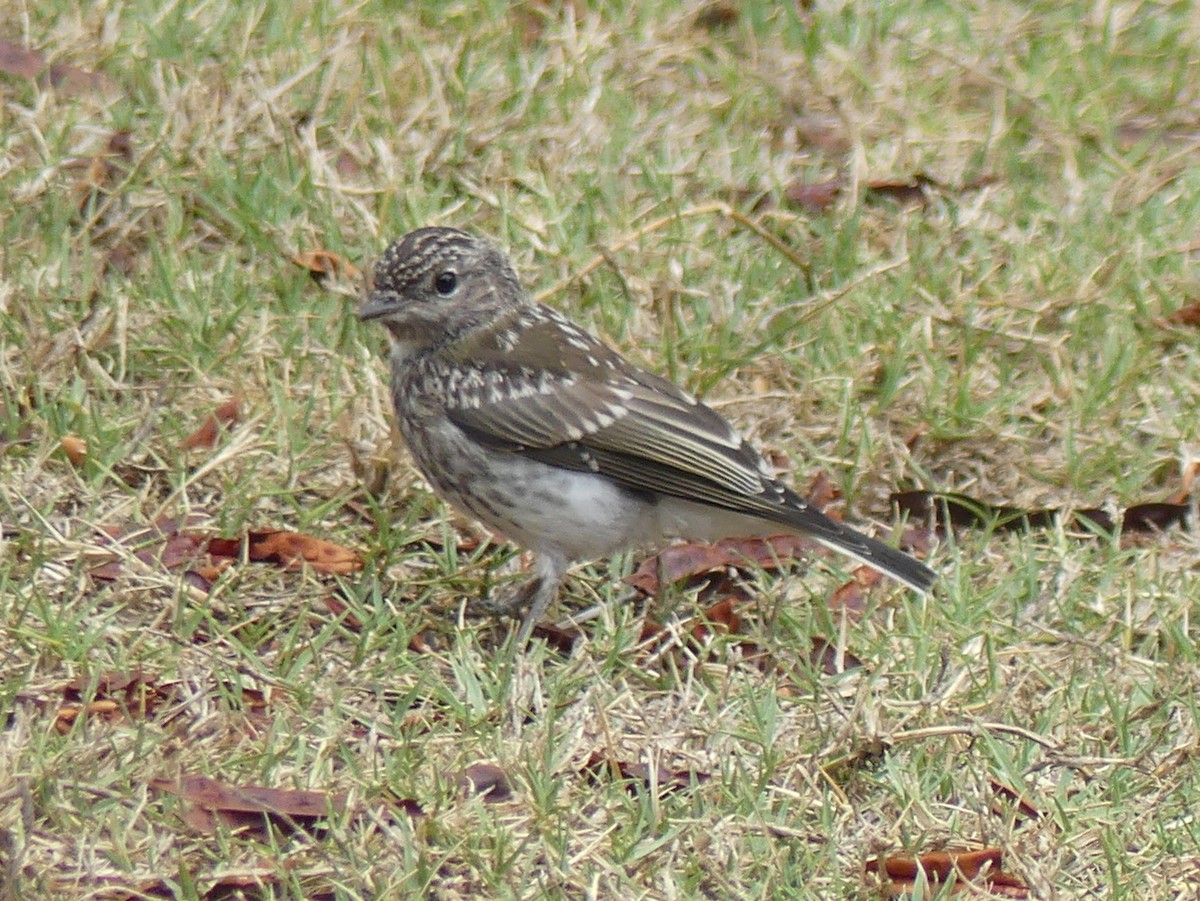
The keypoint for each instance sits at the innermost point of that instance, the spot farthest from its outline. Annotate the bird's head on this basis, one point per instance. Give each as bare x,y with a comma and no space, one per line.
436,284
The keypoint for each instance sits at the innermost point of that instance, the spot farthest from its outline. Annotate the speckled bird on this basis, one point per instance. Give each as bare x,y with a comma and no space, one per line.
523,420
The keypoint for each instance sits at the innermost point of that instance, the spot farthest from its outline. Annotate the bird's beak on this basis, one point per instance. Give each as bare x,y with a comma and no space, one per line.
376,305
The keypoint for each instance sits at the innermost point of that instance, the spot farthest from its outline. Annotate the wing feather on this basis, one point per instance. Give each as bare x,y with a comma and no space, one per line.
581,406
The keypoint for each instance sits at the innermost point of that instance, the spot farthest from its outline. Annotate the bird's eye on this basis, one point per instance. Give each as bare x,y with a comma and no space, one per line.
445,283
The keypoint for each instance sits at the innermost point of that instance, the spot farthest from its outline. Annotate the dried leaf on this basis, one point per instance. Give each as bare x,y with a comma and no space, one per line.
1155,517
419,644
162,543
74,81
913,191
257,808
599,766
105,168
65,718
716,15
1188,315
824,132
486,780
25,63
852,597
533,18
223,416
723,615
822,490
816,197
347,166
250,807
290,550
341,609
167,544
75,449
561,640
20,61
323,263
980,868
1024,806
831,659
950,509
117,696
686,561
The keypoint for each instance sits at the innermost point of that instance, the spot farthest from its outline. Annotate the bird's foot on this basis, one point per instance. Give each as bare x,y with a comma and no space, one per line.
512,602
531,597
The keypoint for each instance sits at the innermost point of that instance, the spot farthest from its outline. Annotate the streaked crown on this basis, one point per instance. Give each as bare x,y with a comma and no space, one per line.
436,283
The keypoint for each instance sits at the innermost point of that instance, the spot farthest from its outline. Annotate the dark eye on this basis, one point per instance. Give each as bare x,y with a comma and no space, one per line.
445,283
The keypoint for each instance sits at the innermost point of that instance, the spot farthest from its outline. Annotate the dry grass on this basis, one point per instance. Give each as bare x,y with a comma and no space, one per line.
1014,319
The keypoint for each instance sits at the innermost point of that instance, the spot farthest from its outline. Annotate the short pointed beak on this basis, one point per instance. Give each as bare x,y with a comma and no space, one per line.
376,305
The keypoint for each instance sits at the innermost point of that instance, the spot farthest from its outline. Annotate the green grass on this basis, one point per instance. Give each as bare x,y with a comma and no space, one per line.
1014,320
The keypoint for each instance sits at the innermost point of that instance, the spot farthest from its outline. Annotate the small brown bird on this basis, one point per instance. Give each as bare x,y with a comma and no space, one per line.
525,421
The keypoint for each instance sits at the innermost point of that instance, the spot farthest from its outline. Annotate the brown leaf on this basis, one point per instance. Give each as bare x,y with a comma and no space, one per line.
121,258
290,550
26,63
716,15
723,615
256,808
249,807
111,683
532,19
1024,806
486,780
599,766
341,609
105,168
223,416
826,133
419,644
822,490
720,618
914,435
558,639
949,509
1188,315
118,695
74,81
323,263
918,539
163,543
852,597
980,868
815,197
67,714
347,166
1155,517
20,61
75,449
914,191
168,545
686,561
830,659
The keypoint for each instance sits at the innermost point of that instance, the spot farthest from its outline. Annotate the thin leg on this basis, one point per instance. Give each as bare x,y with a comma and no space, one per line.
549,570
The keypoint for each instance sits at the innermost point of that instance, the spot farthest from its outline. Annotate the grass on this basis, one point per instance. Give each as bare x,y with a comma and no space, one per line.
1005,338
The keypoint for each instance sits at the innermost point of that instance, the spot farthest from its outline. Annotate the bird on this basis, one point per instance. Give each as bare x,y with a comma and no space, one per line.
528,423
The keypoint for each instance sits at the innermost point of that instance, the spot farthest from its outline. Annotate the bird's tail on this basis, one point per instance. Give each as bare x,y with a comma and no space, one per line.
876,554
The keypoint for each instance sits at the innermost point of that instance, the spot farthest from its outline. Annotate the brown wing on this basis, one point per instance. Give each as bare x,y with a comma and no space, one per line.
577,404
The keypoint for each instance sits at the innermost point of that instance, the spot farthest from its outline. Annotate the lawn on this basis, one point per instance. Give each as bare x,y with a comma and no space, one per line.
920,246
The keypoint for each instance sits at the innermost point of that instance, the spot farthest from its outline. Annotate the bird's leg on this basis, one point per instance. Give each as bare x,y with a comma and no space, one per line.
549,568
538,592
533,595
